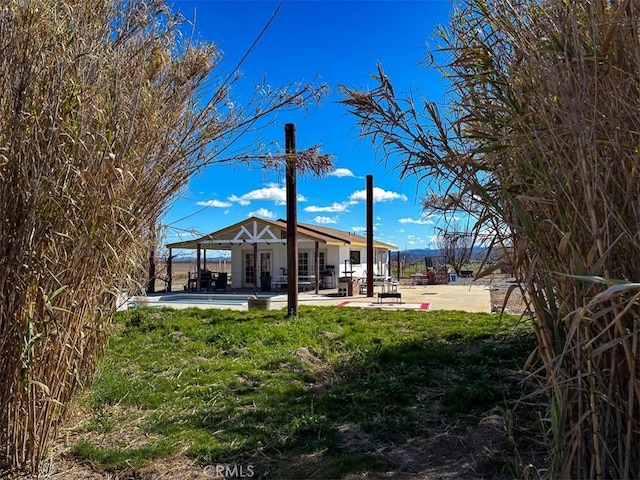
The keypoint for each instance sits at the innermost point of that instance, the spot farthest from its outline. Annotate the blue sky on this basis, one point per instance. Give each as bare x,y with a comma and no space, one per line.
340,42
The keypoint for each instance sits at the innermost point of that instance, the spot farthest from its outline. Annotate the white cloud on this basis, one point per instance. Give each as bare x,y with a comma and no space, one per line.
240,200
379,195
301,198
271,193
363,230
342,172
324,220
434,238
419,221
262,213
360,229
413,240
333,208
214,203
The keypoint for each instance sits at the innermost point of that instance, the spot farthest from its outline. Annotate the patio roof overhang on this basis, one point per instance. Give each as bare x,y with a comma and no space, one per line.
261,231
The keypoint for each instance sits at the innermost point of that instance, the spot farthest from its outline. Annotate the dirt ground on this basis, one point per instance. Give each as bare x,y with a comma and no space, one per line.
504,288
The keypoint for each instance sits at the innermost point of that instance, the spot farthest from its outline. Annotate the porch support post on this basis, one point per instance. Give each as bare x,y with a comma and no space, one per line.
169,265
255,268
317,266
198,270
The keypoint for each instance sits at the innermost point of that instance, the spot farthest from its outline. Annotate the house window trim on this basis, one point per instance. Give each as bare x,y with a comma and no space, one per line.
311,262
309,257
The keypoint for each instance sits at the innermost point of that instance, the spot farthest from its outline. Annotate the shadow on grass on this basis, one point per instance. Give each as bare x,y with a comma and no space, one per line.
334,393
330,421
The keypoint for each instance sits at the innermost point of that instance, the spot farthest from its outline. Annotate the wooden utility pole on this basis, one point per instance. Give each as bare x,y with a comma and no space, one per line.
292,220
370,259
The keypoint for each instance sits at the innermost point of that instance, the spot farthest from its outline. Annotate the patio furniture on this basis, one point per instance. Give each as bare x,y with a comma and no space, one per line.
305,282
396,295
279,282
384,283
221,281
206,277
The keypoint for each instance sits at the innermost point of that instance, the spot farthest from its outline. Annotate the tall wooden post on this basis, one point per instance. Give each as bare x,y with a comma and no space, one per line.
151,285
292,220
370,259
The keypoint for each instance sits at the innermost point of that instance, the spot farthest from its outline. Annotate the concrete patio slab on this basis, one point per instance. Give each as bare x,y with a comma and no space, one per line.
468,298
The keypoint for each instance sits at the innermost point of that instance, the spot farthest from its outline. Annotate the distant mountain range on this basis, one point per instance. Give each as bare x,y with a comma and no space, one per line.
192,258
412,256
418,254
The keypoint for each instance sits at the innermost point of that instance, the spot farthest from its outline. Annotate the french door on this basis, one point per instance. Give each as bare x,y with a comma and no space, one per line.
249,267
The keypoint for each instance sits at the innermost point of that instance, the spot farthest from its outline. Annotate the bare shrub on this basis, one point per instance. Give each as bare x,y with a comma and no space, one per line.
543,132
455,244
105,112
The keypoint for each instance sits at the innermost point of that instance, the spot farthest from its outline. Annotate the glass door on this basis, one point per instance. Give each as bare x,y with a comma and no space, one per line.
248,269
265,263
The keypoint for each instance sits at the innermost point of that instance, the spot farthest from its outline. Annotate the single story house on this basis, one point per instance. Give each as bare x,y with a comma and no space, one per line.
259,254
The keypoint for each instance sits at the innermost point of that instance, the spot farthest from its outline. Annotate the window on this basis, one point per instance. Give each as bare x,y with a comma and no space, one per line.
354,256
303,264
322,261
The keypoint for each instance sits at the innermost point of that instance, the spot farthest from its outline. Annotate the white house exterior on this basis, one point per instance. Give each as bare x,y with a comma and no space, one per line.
324,254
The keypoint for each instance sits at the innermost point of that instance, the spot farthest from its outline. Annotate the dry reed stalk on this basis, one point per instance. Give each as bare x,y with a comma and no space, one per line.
105,112
544,135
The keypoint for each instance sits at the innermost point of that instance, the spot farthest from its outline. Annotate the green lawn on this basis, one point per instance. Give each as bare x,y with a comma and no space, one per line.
260,389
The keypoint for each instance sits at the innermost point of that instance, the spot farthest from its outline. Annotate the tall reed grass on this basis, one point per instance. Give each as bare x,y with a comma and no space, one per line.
541,139
106,110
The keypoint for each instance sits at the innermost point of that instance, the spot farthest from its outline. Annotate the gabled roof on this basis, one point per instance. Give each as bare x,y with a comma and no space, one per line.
340,236
260,230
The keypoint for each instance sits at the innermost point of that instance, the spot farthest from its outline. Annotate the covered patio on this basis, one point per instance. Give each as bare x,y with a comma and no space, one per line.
258,257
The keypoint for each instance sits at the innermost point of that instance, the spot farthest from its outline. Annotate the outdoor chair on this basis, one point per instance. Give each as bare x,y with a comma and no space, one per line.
221,281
